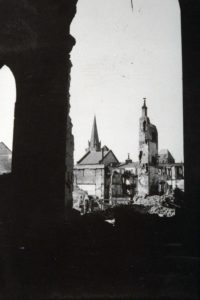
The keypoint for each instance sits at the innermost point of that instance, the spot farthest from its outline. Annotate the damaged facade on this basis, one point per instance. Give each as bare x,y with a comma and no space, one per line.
171,176
123,181
154,173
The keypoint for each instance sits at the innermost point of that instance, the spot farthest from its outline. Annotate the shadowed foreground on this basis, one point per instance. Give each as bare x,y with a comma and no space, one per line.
141,257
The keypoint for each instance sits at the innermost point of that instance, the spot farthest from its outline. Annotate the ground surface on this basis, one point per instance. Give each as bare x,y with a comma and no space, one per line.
141,257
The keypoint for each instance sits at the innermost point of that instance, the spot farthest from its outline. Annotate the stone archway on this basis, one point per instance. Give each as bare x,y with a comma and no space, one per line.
35,44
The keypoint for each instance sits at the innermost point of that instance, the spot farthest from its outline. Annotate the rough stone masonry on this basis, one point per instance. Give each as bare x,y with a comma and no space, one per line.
35,45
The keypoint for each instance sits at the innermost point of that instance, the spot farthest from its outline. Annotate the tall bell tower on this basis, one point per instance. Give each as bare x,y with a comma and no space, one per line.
148,154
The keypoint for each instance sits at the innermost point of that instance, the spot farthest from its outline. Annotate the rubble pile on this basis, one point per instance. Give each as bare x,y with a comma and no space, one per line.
162,211
163,205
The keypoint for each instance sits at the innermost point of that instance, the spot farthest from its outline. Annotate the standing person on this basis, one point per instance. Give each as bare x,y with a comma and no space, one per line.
81,206
91,204
86,204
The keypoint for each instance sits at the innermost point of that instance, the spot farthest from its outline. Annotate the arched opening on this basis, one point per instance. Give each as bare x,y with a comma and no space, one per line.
121,55
7,103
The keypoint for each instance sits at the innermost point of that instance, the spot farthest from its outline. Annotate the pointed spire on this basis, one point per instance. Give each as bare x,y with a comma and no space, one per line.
144,108
94,144
144,104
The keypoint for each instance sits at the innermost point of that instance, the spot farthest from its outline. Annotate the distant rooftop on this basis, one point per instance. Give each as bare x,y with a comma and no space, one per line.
5,159
164,151
92,157
129,165
4,150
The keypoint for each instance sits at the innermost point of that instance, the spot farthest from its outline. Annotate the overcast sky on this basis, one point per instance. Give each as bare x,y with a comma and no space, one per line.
122,55
7,101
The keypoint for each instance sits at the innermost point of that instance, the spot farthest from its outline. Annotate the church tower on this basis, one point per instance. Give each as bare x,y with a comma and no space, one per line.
148,154
148,139
94,144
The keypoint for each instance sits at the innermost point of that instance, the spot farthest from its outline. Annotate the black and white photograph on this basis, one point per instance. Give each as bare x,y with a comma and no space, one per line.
99,149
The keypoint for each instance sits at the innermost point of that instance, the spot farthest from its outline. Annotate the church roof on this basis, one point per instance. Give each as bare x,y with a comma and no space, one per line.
129,165
4,150
83,167
104,156
165,152
5,159
92,157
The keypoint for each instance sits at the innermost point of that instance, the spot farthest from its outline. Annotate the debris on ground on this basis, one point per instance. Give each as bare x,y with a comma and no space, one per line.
163,205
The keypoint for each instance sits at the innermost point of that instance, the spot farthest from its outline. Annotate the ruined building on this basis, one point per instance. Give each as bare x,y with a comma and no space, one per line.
154,172
148,155
171,176
91,173
100,174
5,159
123,180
